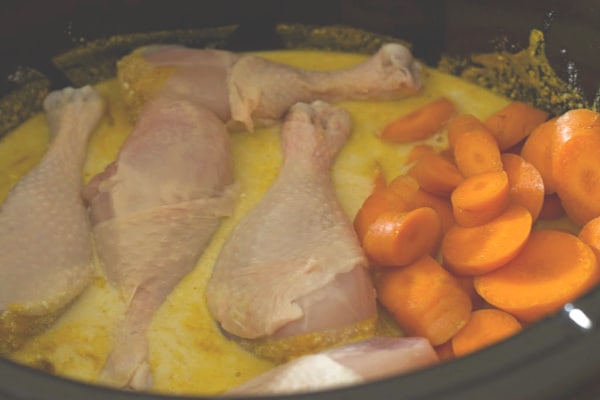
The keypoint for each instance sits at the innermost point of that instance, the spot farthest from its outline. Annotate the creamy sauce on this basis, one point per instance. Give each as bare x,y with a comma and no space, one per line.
189,355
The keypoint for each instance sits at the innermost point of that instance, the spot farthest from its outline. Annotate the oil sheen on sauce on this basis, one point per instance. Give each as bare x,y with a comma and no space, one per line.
189,355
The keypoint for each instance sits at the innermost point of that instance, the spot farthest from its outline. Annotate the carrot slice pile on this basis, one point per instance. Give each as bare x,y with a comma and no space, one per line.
514,122
553,268
485,327
473,205
480,198
483,248
425,299
399,238
421,123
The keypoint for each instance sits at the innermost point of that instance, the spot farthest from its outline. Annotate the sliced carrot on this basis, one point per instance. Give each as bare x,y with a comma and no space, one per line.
576,172
551,208
480,198
590,235
574,122
436,175
394,197
481,249
421,123
462,123
553,268
476,152
537,150
526,183
418,151
425,299
397,238
439,204
485,327
514,122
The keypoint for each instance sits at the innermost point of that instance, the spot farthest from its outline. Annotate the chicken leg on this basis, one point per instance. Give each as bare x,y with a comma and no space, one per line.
45,237
293,266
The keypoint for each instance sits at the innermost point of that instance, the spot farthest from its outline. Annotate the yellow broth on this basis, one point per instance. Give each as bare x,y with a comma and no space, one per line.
188,353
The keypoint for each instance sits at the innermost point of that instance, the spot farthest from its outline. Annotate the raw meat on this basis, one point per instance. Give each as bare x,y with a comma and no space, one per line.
295,259
365,361
45,238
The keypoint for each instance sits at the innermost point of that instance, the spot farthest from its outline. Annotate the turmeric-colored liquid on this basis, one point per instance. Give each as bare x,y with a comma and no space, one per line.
188,353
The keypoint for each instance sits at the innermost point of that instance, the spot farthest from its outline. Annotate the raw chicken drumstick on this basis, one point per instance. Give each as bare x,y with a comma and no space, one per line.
45,237
293,265
155,209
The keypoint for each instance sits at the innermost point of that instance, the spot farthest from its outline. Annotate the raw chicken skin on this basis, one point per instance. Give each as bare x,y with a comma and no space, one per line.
248,90
296,250
364,361
154,211
45,238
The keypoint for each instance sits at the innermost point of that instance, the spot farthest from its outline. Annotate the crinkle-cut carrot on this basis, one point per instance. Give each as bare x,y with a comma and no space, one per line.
421,123
551,208
476,152
418,151
590,235
576,165
436,174
553,268
526,183
400,238
440,204
462,123
483,248
537,150
425,299
394,197
514,122
444,351
480,198
485,328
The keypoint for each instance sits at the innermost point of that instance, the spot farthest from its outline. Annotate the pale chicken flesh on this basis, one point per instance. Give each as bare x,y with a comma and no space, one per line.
45,237
295,253
356,363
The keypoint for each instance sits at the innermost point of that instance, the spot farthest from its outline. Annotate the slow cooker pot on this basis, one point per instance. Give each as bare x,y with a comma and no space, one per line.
557,358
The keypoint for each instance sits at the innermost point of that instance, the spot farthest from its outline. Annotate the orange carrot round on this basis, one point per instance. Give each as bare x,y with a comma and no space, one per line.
553,268
481,249
590,235
421,123
460,124
480,198
537,150
396,238
485,327
476,152
384,198
425,299
514,122
576,173
436,174
526,183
